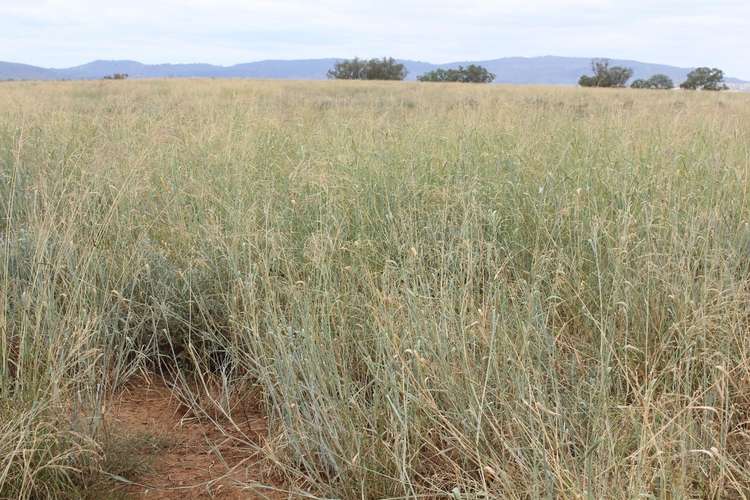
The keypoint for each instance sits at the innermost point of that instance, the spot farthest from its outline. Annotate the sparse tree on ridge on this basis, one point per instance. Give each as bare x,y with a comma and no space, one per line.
386,68
606,75
705,79
473,73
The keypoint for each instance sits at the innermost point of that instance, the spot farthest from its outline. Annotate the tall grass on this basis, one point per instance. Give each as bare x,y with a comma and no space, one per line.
438,290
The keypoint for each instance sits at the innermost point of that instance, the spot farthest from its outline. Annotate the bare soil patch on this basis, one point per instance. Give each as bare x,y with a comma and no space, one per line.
192,459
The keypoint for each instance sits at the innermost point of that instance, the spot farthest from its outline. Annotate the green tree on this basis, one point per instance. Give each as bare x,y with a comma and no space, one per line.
470,74
439,75
386,68
587,81
350,69
606,75
658,81
705,79
475,73
661,81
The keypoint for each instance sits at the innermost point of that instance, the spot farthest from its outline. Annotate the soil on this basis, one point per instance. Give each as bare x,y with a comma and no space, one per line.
188,466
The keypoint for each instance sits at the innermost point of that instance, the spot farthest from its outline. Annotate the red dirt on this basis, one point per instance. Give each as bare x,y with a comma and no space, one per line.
189,467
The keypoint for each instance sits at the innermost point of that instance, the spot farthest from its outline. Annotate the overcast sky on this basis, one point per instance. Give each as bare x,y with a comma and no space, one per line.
60,33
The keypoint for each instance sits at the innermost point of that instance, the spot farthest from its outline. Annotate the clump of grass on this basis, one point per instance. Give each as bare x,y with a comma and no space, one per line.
126,459
511,292
39,456
130,456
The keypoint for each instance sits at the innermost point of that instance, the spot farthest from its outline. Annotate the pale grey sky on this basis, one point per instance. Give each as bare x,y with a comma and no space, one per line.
59,33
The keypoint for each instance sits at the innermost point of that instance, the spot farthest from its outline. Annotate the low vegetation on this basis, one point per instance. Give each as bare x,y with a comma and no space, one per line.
447,291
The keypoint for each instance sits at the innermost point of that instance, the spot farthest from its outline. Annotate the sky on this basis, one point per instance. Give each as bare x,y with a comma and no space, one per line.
62,33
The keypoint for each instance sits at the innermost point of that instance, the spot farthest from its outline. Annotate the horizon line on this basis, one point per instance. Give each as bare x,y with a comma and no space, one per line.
91,61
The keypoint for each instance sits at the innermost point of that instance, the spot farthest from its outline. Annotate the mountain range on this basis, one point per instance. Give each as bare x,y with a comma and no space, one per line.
518,70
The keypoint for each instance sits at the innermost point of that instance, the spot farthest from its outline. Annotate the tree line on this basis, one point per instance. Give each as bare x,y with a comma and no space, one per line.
703,78
388,68
604,75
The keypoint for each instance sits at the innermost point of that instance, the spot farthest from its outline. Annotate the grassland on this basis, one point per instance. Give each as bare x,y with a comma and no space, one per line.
434,290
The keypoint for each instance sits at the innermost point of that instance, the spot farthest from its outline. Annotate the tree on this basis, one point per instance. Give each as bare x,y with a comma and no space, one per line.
658,81
117,76
471,74
619,76
373,69
661,81
475,73
606,76
587,81
353,69
439,75
705,79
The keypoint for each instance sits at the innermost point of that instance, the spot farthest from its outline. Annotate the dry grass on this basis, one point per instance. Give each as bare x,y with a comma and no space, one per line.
438,290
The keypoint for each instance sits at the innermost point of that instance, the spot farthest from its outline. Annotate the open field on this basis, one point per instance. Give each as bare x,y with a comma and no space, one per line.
418,290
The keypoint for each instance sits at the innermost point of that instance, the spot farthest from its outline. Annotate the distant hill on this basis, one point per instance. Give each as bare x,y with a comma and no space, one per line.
520,70
304,69
15,71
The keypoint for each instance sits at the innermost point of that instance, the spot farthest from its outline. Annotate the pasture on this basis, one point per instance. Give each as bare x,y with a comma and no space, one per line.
423,290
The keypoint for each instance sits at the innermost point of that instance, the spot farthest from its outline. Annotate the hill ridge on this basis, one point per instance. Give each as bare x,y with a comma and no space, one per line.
547,69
